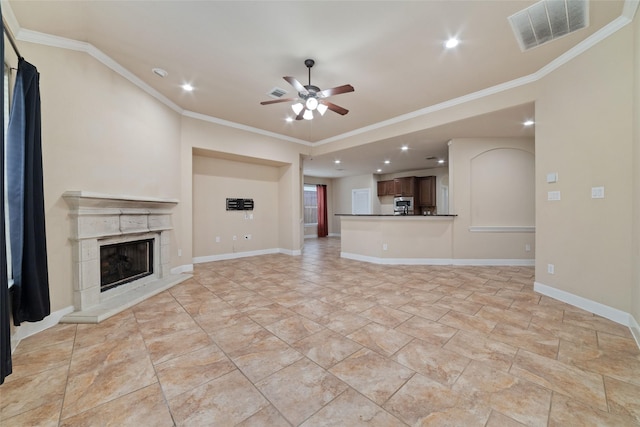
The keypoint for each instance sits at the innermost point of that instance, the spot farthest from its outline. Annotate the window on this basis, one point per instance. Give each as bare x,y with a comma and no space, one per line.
310,197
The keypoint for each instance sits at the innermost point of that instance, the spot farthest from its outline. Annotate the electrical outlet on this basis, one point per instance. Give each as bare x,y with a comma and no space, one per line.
551,269
217,239
527,247
235,237
553,195
384,247
179,252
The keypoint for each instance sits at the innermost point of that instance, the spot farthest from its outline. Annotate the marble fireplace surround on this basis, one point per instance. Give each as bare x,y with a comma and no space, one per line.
99,219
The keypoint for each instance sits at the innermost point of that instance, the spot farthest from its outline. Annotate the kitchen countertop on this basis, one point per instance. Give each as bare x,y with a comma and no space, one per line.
399,216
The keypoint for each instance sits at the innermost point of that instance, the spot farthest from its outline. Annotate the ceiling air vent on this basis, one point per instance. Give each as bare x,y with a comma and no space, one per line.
548,20
276,92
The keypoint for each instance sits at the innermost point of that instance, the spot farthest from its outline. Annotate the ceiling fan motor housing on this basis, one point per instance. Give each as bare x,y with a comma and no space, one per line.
312,91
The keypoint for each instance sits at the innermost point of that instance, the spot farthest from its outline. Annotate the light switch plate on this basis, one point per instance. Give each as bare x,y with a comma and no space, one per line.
552,177
597,192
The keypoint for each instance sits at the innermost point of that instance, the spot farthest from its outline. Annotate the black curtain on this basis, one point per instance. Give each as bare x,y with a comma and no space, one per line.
5,330
30,290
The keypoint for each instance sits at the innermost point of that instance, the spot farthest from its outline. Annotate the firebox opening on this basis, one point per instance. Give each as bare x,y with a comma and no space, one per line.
122,263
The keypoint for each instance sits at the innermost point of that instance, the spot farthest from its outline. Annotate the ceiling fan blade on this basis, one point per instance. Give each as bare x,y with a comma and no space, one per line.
335,91
296,84
275,101
335,108
299,116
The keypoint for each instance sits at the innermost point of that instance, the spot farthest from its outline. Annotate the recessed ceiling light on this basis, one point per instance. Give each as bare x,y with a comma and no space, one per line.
451,43
441,161
386,162
187,87
379,170
337,162
160,72
289,119
528,123
404,148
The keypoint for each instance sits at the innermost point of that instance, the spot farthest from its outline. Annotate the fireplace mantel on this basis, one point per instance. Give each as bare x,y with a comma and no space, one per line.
87,200
97,219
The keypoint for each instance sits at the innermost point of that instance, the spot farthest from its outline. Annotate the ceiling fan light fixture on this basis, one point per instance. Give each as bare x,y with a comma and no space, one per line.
322,109
308,115
311,103
297,107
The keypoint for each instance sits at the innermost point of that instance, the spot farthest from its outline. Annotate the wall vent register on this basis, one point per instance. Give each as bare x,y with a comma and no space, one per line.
239,204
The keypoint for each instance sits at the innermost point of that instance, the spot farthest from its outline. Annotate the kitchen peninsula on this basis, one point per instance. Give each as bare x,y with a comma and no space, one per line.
398,239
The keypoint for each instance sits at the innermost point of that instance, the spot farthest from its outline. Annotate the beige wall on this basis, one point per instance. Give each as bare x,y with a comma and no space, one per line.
251,149
216,179
102,134
584,128
492,185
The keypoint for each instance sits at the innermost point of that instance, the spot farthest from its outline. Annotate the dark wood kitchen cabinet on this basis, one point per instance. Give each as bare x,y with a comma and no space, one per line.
427,191
386,188
405,187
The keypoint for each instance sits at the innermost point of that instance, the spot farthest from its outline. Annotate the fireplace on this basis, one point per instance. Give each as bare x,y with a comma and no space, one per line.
121,263
121,252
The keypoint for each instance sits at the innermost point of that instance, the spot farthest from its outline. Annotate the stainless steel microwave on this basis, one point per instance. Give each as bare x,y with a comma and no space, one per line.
403,205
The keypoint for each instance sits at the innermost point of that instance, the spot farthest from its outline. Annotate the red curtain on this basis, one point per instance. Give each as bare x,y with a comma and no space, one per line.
323,227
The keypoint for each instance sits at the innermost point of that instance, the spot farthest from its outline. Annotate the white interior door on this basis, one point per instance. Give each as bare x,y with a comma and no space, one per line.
361,201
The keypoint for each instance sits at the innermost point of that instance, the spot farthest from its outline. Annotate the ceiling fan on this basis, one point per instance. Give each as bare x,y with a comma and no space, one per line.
311,98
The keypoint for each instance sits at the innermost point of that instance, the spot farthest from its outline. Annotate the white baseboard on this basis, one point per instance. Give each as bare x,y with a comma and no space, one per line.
236,255
496,262
618,316
437,261
26,329
334,235
186,268
292,252
310,236
396,261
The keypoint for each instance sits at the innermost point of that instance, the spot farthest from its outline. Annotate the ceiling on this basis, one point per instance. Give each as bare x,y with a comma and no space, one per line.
392,52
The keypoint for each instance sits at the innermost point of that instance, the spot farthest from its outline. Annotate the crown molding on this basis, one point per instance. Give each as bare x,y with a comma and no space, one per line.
251,129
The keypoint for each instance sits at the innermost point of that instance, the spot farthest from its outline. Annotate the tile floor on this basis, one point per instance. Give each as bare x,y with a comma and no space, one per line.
317,340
